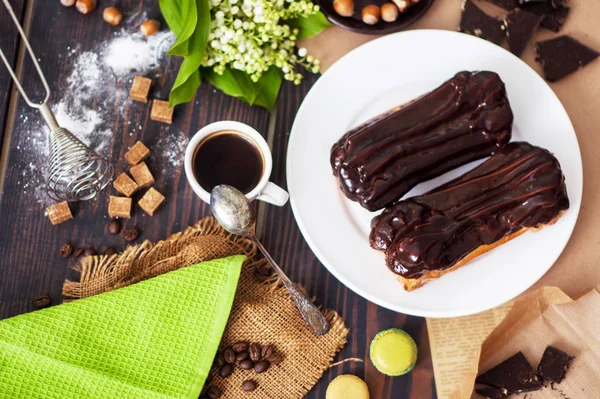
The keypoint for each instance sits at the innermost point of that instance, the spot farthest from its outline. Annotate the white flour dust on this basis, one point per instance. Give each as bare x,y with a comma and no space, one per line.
87,100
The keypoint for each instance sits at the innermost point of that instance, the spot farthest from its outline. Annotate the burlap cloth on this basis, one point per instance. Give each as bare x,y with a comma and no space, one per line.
262,312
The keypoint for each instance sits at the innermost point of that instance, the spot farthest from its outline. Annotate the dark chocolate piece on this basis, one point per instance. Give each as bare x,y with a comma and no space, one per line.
554,364
563,55
522,2
515,375
520,186
491,393
466,118
520,27
554,18
477,23
506,4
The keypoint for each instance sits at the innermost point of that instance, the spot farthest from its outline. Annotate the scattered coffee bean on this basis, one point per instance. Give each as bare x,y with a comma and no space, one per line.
131,234
226,370
66,250
109,251
255,352
240,347
77,253
42,301
246,364
214,392
276,359
114,227
219,359
241,356
90,251
261,366
248,386
267,351
229,355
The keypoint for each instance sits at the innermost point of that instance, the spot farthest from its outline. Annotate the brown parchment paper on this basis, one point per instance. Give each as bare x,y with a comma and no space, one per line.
455,352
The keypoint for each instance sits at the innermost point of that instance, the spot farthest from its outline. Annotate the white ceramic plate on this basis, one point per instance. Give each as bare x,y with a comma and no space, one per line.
390,71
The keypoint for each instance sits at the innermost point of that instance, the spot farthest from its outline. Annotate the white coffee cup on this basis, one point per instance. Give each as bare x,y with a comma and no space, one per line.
264,190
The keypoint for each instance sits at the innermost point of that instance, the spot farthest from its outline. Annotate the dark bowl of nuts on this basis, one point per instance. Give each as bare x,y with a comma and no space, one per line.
374,17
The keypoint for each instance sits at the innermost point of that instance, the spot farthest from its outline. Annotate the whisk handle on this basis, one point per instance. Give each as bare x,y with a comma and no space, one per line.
49,117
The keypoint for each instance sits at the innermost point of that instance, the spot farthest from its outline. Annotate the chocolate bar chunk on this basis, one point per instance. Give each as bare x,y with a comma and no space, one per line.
506,4
563,55
519,187
520,27
515,375
554,18
492,393
554,364
475,22
466,118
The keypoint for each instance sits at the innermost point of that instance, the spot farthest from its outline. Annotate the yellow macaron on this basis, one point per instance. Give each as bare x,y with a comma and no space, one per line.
347,386
393,352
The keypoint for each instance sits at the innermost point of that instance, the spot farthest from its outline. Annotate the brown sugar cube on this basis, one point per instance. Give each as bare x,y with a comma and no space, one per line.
119,207
125,185
151,201
161,111
142,176
140,89
137,153
59,213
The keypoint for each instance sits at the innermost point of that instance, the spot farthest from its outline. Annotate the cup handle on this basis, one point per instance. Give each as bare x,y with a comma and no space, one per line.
273,194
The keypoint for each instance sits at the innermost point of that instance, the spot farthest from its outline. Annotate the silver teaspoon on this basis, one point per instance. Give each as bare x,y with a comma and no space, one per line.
232,210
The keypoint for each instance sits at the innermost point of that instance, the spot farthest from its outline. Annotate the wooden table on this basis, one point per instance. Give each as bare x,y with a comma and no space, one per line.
30,263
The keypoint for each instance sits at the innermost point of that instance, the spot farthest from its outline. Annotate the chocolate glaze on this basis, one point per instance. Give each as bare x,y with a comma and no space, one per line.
465,119
520,186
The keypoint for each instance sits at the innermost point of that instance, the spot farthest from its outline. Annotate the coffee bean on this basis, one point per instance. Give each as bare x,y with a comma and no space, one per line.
241,356
267,351
261,366
114,227
90,251
246,364
77,253
66,250
276,359
42,301
219,359
130,234
229,355
214,392
109,251
248,386
255,352
240,347
226,370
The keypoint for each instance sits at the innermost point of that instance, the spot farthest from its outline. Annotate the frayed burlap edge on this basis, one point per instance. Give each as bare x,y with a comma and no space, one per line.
262,311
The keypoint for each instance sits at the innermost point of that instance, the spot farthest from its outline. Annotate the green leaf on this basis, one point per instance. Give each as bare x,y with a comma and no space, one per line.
309,26
196,45
174,13
238,84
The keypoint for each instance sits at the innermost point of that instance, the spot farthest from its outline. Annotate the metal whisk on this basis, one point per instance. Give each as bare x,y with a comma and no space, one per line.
77,173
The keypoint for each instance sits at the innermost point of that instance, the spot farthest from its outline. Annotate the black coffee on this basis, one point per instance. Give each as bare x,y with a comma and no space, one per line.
228,158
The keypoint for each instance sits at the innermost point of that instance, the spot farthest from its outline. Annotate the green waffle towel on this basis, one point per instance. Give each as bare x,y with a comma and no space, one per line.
153,339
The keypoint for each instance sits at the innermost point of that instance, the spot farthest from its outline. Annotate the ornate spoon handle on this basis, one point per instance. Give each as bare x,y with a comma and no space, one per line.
313,317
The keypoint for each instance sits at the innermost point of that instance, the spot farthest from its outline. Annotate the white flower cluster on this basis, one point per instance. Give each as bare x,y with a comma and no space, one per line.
252,36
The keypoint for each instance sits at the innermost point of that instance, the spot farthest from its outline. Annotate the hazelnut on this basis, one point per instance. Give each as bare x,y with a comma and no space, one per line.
85,6
112,15
370,14
402,4
67,3
344,7
389,12
150,27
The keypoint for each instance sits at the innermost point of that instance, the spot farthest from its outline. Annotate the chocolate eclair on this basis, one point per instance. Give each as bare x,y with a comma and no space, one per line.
520,188
466,118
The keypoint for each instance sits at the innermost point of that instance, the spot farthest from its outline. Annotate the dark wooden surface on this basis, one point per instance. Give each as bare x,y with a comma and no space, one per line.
30,264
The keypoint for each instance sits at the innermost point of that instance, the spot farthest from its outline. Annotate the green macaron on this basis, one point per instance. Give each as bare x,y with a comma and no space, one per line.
393,352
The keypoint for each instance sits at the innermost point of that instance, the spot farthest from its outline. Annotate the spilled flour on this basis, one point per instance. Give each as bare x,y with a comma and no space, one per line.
87,100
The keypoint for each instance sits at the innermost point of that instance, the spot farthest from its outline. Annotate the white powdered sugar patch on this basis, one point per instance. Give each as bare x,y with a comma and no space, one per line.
172,148
85,103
